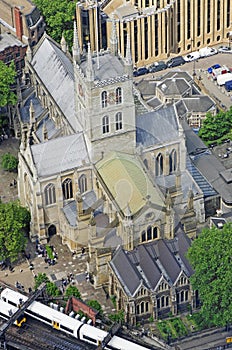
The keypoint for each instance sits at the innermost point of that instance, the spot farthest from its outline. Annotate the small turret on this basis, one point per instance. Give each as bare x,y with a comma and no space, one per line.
76,48
63,44
128,58
29,54
89,69
114,38
32,113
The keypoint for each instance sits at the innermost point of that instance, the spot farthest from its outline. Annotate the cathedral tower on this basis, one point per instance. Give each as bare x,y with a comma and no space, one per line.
104,101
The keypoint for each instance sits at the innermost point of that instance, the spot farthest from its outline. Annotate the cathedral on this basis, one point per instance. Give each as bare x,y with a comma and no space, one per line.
95,166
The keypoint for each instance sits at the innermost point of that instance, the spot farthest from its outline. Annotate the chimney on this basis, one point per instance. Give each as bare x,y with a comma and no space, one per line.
18,23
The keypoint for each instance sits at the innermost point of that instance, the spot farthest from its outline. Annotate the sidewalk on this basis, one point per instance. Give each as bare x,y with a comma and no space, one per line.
65,265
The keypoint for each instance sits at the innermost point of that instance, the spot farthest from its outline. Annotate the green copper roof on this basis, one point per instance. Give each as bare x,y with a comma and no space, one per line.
127,182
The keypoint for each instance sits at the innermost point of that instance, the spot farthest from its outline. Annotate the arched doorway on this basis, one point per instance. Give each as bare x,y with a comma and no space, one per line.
51,230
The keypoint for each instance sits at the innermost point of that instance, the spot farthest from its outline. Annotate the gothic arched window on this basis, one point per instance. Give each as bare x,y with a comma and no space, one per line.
118,95
118,121
67,189
159,165
82,183
105,124
104,99
50,194
155,232
172,161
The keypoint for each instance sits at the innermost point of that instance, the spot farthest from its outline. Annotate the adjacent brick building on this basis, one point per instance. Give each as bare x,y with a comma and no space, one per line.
11,49
22,19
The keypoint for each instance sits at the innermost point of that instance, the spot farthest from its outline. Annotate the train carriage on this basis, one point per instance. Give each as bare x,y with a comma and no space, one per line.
7,310
67,324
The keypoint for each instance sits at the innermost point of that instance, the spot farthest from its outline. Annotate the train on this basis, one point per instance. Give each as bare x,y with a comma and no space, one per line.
68,324
7,310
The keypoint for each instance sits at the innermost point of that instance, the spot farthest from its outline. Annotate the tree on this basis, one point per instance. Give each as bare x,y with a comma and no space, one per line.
95,305
51,288
117,317
210,257
40,278
72,291
215,127
58,15
14,219
9,162
7,78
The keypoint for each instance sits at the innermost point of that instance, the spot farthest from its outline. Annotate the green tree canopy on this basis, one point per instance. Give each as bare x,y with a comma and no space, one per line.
211,258
13,221
7,78
215,127
51,288
9,162
58,15
72,291
40,278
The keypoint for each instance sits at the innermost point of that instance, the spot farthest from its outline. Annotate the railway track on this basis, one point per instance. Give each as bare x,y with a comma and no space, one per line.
36,336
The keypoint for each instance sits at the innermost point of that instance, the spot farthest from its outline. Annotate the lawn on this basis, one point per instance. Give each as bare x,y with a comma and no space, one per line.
173,328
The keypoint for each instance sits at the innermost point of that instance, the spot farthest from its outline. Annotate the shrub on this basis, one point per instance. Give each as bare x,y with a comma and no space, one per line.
9,162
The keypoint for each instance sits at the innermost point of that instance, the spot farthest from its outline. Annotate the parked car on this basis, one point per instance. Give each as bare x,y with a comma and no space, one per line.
207,51
140,71
225,49
215,66
175,61
157,66
192,56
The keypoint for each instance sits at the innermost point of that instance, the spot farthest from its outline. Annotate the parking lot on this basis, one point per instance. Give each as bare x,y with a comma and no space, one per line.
203,78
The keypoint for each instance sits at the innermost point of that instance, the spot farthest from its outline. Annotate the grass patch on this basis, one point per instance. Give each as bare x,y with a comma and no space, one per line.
173,328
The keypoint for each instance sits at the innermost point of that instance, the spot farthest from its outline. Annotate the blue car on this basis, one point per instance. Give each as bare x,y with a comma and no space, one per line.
140,71
215,66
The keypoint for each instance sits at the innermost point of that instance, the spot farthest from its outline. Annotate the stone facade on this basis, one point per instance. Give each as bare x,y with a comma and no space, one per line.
158,29
90,169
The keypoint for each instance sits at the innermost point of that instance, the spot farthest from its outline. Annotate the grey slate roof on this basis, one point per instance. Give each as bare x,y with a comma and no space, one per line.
146,87
200,103
178,74
125,271
57,155
181,108
8,40
70,211
109,67
174,86
148,262
24,110
154,103
56,72
207,164
50,126
156,127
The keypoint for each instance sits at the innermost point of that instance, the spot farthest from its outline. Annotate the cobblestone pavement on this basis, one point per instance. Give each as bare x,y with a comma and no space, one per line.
65,265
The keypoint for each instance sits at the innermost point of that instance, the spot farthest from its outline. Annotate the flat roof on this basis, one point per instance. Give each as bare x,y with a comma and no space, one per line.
8,40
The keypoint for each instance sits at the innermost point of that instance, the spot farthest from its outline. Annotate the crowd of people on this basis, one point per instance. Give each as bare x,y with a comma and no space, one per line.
41,250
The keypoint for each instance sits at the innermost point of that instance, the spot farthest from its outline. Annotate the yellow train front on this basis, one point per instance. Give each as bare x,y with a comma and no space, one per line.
8,310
